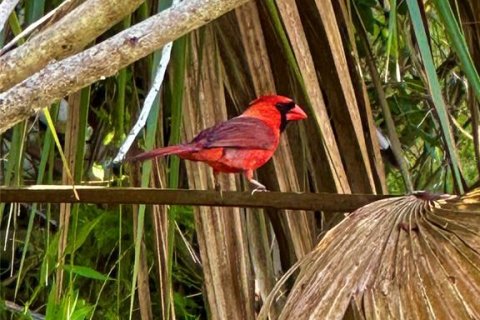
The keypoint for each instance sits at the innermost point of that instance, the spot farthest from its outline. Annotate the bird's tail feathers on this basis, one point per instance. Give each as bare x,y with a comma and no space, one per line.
162,152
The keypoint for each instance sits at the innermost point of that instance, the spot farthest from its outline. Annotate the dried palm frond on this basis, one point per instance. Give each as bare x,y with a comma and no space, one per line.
413,257
221,232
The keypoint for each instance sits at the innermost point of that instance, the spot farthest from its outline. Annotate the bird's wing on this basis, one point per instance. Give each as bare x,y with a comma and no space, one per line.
240,133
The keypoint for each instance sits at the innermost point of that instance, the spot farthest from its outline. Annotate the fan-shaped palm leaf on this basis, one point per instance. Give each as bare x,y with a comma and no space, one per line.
413,257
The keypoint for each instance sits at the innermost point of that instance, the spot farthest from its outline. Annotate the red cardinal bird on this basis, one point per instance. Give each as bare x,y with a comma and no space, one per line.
241,144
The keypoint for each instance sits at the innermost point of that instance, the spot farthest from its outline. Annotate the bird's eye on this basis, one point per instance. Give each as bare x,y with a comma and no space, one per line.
284,107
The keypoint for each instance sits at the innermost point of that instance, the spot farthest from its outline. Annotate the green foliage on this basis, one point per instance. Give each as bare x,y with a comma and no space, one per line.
70,306
422,105
85,272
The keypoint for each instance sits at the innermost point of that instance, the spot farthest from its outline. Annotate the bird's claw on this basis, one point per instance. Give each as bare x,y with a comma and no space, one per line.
259,189
258,186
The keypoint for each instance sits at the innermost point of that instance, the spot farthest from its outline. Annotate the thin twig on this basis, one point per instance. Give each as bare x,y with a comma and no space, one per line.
19,309
465,133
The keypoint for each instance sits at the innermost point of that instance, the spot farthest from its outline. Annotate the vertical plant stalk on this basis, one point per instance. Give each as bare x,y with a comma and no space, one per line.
365,109
47,149
160,221
221,231
470,13
459,44
162,255
298,51
382,99
119,110
298,230
16,145
332,67
392,133
152,121
392,41
165,234
143,290
475,128
71,134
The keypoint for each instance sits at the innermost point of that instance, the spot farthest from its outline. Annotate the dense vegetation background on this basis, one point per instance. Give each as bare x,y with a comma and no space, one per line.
406,67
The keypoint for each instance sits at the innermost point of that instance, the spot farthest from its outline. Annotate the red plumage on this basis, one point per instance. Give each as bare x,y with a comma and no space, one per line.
241,144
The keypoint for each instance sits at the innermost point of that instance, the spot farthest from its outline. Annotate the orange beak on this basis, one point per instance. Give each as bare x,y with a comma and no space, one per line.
296,114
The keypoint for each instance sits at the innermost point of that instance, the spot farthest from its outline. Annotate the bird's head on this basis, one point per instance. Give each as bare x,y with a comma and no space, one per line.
275,110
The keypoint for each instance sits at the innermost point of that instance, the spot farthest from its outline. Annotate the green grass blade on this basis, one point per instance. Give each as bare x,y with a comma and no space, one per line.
16,145
435,90
14,167
48,117
179,53
119,111
457,39
392,41
82,133
86,272
178,61
291,60
47,146
152,123
34,10
14,24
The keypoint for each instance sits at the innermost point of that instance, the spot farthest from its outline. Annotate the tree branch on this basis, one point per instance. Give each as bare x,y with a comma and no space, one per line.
105,195
71,74
65,37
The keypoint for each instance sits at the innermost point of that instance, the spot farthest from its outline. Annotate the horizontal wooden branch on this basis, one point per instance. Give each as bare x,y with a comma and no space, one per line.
105,195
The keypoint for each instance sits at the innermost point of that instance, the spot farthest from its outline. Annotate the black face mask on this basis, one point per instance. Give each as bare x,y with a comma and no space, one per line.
284,108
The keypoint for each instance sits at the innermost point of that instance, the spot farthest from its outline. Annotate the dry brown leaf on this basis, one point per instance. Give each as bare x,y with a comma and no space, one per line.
413,257
221,232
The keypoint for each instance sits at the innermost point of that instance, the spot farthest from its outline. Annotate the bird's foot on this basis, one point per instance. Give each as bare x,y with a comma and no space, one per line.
258,187
259,190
